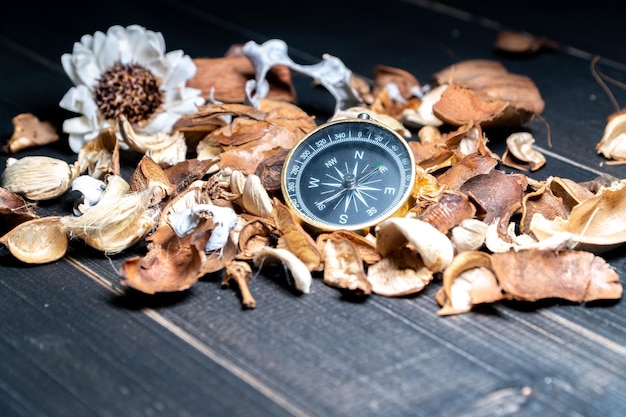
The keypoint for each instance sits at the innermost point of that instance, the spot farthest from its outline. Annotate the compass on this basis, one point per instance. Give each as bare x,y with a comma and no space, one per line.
348,174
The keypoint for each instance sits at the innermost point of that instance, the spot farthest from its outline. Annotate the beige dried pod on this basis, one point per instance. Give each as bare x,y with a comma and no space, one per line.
468,281
424,115
237,181
164,149
255,198
520,145
119,219
613,142
300,273
596,224
343,266
399,274
434,247
38,177
469,235
37,241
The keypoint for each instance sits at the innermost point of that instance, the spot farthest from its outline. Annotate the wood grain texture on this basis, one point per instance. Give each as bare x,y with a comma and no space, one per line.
73,343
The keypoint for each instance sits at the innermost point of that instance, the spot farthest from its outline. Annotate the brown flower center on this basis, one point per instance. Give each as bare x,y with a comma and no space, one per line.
130,90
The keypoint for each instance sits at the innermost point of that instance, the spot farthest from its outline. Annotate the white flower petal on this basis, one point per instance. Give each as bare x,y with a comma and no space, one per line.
133,44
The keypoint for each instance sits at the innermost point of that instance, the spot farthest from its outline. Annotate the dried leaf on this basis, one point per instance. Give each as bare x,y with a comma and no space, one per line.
29,131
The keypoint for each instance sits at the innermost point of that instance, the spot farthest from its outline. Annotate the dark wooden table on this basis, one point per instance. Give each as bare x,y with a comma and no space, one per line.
72,344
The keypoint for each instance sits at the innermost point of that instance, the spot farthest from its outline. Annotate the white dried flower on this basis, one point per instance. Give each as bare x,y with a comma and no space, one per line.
126,71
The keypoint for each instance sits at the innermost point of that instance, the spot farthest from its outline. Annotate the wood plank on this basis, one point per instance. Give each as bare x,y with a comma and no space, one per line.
93,351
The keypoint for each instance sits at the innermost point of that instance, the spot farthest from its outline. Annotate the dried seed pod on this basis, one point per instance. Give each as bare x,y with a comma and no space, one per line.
37,241
149,175
597,224
434,247
343,266
365,245
100,156
451,209
29,131
300,273
526,275
468,235
255,198
38,177
613,142
294,238
399,273
165,149
171,264
14,210
521,154
255,234
468,281
119,220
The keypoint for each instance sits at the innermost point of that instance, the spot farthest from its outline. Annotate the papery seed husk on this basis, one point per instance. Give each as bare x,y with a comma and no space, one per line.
37,241
38,177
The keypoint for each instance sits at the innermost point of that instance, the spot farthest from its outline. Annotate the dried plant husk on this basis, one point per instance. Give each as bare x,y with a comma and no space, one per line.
390,102
186,172
426,191
343,266
255,199
484,92
399,273
224,79
450,210
299,271
469,235
100,156
256,233
434,247
164,148
466,168
573,275
150,175
597,224
522,43
294,238
28,132
521,154
406,82
423,115
498,194
612,145
171,264
37,241
468,281
119,220
526,275
270,169
14,210
38,177
365,245
195,194
255,135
